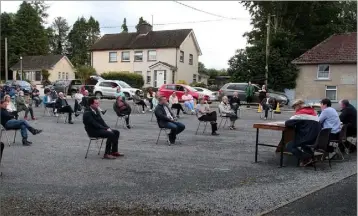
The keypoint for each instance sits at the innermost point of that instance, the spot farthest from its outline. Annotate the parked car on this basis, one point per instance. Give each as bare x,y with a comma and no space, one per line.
70,87
167,89
213,95
229,88
108,88
24,86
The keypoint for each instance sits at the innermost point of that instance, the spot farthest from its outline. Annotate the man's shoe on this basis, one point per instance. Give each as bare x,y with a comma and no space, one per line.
76,114
34,118
129,127
70,122
215,134
25,142
104,112
108,156
34,131
117,154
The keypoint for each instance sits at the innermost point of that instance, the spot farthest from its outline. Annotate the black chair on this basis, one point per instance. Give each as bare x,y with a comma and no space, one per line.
3,130
200,121
320,146
341,142
96,139
166,133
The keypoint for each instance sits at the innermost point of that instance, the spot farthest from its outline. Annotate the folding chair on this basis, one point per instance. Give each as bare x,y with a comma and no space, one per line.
341,141
151,118
64,116
136,108
320,147
96,139
222,119
204,122
3,130
270,114
167,134
47,111
123,119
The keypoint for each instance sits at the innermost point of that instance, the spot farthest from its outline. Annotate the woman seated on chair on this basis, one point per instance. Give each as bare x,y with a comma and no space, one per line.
150,95
122,108
24,103
268,104
235,102
205,114
188,101
11,108
139,101
174,103
226,111
48,101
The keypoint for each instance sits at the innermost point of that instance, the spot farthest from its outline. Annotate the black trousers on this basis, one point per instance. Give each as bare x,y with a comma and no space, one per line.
126,113
142,103
77,107
249,99
211,117
51,105
66,109
178,107
112,140
151,102
37,100
266,107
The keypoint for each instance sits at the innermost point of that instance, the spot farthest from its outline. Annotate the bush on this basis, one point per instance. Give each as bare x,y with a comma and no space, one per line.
198,84
182,82
134,80
83,72
45,75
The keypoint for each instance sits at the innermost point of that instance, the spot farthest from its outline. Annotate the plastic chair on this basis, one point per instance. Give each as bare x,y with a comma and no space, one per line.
222,119
341,141
96,139
204,122
320,146
3,130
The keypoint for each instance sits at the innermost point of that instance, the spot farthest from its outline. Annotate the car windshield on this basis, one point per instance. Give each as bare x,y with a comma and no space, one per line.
191,88
123,84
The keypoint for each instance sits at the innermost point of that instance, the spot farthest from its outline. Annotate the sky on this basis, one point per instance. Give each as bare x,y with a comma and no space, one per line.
218,40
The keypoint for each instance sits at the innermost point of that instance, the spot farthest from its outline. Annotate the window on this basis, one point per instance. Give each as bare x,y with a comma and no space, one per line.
126,56
112,56
66,75
63,75
138,56
323,72
113,85
331,93
105,84
59,75
38,76
199,78
152,55
180,88
170,87
138,72
149,77
233,87
194,78
76,82
181,56
190,59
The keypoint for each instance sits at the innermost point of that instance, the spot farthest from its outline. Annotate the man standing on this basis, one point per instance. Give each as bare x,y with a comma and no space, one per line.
10,123
250,91
96,127
165,119
63,107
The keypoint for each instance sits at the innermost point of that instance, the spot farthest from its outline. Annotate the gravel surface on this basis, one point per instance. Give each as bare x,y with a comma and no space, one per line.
204,175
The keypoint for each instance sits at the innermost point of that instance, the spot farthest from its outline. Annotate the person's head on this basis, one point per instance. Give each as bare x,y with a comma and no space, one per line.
263,87
225,99
21,93
60,95
85,93
236,94
298,104
7,98
93,102
325,103
4,104
150,90
174,94
137,93
249,82
344,103
162,100
118,89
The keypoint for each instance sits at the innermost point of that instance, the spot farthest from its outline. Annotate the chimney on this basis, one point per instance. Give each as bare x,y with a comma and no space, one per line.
144,28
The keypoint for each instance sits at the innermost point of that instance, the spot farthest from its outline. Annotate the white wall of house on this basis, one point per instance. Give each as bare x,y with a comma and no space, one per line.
62,70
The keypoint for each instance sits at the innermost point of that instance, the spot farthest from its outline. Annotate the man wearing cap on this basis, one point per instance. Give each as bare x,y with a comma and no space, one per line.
307,127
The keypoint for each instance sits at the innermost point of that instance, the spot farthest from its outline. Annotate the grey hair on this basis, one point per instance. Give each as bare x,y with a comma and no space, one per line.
225,97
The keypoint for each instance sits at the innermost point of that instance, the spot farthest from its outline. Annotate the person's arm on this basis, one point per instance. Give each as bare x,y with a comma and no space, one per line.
343,117
89,121
160,115
323,116
291,123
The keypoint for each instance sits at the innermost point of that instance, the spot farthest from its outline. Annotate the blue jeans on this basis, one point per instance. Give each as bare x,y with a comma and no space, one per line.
189,104
175,127
18,124
293,148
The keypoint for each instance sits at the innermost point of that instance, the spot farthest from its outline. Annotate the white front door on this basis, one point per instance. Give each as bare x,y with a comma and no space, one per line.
161,76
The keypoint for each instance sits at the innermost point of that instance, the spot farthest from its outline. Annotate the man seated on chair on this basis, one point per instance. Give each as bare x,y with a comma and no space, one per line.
348,117
97,128
307,127
268,104
35,94
235,102
329,119
122,108
24,103
49,102
165,119
226,111
9,122
63,107
205,114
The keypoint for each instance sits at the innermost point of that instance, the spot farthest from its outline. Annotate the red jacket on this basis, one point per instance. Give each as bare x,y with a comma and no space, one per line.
306,111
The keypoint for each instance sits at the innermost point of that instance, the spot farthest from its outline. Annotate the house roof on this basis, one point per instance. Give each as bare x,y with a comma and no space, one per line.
37,62
153,39
337,49
172,67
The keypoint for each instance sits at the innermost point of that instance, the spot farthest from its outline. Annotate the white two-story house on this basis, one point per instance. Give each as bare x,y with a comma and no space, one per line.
161,57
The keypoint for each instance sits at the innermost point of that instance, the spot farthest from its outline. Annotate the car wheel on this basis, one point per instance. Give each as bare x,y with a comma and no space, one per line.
98,95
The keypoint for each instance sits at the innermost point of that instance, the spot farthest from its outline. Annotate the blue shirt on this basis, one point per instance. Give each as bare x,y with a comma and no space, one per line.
329,119
120,94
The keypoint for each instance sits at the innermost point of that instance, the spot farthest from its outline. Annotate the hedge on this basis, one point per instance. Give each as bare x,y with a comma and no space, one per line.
134,80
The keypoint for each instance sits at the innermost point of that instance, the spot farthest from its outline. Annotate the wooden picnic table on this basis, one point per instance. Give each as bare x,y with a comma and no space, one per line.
287,136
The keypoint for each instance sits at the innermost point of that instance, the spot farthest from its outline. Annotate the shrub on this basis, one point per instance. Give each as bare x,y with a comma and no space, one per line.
83,72
198,84
134,80
45,75
182,82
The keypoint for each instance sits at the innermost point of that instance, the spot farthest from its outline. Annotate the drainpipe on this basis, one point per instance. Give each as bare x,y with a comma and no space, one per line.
176,64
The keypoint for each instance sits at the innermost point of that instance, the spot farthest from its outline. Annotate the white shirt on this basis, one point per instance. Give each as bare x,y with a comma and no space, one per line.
168,112
78,97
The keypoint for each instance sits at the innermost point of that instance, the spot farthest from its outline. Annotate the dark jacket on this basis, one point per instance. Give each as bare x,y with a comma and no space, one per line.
161,115
307,128
272,102
84,102
234,100
5,116
93,122
58,103
348,116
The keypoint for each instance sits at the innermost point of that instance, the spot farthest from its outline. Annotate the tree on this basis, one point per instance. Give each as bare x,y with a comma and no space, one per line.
58,36
45,75
124,25
41,8
140,22
94,31
201,68
31,36
84,72
7,31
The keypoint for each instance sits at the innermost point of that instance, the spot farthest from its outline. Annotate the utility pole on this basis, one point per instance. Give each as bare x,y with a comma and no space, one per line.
6,70
267,47
20,67
152,22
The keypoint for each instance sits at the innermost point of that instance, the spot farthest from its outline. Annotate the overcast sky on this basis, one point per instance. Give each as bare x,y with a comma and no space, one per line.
218,40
